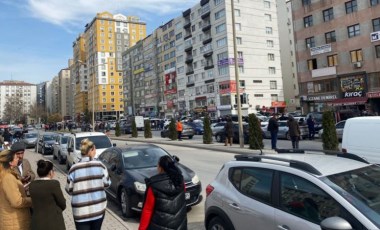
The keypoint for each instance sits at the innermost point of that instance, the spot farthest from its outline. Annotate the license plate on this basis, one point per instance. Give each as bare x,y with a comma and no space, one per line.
187,196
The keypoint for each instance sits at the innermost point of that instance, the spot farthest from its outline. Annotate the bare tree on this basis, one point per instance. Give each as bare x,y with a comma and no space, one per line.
14,109
38,112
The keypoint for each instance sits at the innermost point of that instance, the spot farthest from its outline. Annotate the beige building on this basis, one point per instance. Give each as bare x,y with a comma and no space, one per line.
64,92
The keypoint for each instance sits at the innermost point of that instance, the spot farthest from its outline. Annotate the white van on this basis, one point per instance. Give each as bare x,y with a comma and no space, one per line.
361,137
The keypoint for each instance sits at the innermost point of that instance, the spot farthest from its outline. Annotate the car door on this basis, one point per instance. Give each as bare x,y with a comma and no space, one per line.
115,170
248,198
339,129
282,129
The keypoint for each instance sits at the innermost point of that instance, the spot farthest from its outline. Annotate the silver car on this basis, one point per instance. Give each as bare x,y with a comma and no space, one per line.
294,191
30,139
60,148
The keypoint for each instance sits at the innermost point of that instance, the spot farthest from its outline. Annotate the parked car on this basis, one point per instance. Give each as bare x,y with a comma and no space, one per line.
339,127
215,127
60,148
220,135
317,120
125,127
128,168
294,191
283,130
187,131
45,143
30,139
197,126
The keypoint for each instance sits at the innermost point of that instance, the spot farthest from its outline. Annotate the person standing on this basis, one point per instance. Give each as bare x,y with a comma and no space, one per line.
229,132
86,183
7,136
14,204
48,200
24,170
273,129
179,129
294,131
165,203
310,124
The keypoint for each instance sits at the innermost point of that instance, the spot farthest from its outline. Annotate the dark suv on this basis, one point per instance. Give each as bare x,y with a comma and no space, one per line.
220,135
45,143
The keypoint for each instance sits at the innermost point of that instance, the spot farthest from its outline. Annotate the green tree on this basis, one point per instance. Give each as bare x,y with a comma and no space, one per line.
134,129
172,130
255,132
147,129
117,129
207,132
329,137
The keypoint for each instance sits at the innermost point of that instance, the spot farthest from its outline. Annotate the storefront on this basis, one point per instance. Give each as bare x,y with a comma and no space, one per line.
316,103
374,102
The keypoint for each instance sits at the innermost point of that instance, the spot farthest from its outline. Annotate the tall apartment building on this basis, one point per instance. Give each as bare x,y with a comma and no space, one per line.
54,104
25,91
41,95
338,55
105,38
64,92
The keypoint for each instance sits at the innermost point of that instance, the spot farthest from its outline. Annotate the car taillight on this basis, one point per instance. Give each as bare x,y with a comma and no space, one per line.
209,190
344,150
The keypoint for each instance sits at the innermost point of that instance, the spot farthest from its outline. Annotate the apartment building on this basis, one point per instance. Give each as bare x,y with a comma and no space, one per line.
338,55
64,92
105,38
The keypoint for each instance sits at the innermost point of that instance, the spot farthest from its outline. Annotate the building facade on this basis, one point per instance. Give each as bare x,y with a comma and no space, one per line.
64,92
338,55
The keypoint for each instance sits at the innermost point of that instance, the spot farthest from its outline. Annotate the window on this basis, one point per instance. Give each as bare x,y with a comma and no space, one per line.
308,21
270,57
241,69
273,84
332,60
221,42
356,55
267,4
268,30
328,14
237,13
306,2
374,2
217,2
269,43
220,28
351,6
330,37
219,14
253,182
239,40
377,48
272,70
312,64
238,26
258,95
353,30
310,42
257,81
376,24
268,17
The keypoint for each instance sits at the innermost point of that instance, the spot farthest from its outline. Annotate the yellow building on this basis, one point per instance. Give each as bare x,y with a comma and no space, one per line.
105,38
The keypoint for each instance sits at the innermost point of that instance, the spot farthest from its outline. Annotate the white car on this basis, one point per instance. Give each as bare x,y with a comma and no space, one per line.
215,127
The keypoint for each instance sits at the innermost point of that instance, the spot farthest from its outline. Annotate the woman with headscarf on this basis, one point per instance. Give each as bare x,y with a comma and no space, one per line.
165,204
14,204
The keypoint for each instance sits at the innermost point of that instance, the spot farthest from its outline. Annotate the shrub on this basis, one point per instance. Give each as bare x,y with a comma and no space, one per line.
207,134
134,129
147,129
329,137
172,130
117,129
255,133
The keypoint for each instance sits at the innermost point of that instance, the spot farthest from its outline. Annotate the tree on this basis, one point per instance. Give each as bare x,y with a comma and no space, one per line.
87,116
329,137
38,112
117,129
147,129
56,117
134,129
14,108
207,133
172,130
255,132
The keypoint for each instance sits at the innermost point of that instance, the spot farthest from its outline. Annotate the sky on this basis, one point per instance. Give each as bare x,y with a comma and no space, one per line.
37,35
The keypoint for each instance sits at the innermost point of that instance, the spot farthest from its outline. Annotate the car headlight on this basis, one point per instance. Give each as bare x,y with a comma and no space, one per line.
140,187
195,179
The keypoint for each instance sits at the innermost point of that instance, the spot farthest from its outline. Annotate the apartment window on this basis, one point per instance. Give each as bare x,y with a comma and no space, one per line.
220,14
332,60
217,2
374,2
270,57
268,17
330,37
269,43
258,95
268,30
306,2
237,13
356,55
241,69
257,81
377,49
239,40
273,84
351,6
308,21
376,24
312,64
220,28
353,30
272,70
221,42
240,54
238,26
267,4
328,14
310,42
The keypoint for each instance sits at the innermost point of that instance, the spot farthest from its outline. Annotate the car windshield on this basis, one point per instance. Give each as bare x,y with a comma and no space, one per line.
101,142
49,138
360,187
142,158
64,140
31,135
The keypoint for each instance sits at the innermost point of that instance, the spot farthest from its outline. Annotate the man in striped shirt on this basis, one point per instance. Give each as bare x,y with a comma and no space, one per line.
86,183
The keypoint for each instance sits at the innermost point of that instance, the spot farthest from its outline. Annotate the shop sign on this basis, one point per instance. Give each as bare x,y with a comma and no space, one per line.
224,107
320,49
200,109
280,104
373,94
211,108
352,86
321,97
375,36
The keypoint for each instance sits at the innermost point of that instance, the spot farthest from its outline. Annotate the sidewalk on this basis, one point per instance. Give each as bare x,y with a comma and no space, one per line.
111,221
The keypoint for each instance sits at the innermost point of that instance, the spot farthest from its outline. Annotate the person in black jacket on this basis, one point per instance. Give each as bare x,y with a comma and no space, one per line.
165,203
273,129
229,132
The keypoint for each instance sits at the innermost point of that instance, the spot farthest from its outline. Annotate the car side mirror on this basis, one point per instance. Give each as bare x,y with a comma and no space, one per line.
175,158
335,223
114,144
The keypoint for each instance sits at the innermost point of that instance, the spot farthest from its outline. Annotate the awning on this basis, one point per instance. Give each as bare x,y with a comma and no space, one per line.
349,101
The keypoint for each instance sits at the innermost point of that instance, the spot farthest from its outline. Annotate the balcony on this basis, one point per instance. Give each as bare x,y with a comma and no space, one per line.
323,72
211,66
187,24
206,26
187,35
186,13
205,10
207,39
189,59
189,71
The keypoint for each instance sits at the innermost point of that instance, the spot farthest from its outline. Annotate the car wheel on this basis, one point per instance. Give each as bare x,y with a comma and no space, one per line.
60,159
190,137
125,203
218,223
287,136
218,138
43,150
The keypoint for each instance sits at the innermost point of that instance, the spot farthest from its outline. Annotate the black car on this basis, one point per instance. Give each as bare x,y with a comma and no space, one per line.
220,135
126,127
129,166
45,143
